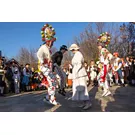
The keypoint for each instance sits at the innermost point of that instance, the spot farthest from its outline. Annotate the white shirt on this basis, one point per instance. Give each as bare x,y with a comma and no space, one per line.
78,68
117,65
43,53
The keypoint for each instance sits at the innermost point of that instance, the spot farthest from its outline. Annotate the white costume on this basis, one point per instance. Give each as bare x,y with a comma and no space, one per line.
44,58
106,62
80,91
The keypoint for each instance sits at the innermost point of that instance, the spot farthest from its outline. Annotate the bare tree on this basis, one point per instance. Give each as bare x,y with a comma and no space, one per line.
54,49
88,39
27,56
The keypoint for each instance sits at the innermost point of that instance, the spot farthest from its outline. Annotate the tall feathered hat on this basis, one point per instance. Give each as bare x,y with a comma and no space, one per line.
48,33
104,39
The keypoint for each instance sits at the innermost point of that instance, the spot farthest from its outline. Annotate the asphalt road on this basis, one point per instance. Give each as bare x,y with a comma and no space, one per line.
121,100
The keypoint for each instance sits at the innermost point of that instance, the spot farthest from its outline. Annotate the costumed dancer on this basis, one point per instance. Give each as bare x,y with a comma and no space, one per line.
117,69
80,91
45,62
100,80
110,74
105,57
56,63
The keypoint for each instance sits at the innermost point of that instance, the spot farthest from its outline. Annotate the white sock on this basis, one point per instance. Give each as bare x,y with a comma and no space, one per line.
2,89
133,81
116,81
122,80
106,85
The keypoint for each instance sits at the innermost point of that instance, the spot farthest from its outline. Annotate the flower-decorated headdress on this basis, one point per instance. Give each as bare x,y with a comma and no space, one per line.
47,33
104,38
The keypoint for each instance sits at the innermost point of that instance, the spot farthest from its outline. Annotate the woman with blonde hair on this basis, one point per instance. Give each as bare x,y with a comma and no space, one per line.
80,91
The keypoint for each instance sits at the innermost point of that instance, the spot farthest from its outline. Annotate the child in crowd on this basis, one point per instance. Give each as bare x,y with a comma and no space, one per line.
93,72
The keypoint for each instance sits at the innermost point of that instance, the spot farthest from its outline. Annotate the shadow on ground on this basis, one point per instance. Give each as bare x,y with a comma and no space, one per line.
124,100
26,102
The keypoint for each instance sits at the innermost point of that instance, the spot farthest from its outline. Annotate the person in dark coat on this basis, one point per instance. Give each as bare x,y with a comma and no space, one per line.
56,61
2,83
8,78
132,70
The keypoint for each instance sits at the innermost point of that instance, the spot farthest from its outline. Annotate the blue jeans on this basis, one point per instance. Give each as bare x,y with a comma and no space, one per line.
120,73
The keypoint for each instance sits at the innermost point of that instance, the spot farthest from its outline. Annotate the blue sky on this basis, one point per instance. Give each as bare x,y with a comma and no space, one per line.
13,36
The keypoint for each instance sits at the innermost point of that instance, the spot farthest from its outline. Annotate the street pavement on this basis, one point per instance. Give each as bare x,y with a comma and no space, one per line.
121,100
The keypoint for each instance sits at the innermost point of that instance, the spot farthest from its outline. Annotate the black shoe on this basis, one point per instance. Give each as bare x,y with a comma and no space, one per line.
2,95
64,91
123,85
61,92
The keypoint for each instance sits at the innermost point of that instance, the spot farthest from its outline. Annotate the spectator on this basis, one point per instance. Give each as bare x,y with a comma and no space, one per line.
123,68
16,77
8,77
132,72
70,76
21,77
26,77
127,69
34,79
2,83
93,72
88,71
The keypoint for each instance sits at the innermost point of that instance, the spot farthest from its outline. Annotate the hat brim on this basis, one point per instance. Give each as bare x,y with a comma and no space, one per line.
71,49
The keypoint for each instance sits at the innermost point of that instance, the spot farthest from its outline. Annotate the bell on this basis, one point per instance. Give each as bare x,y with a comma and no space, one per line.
50,26
54,33
42,32
43,29
43,35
